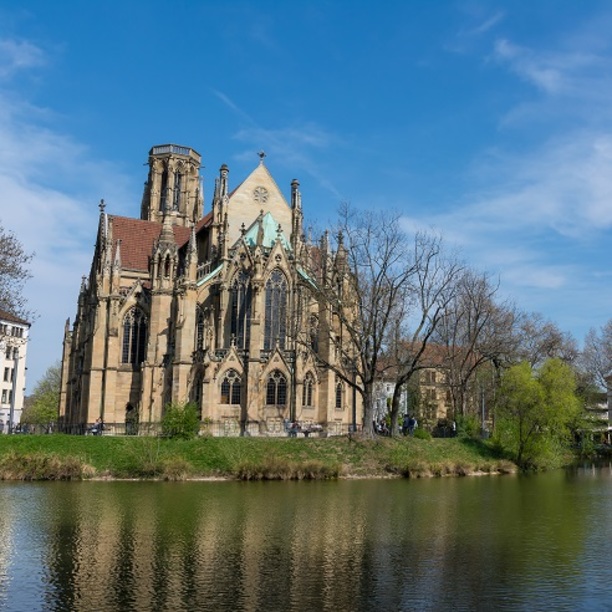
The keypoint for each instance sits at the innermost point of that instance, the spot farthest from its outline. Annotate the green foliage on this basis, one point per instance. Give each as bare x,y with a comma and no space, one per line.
468,426
422,434
536,412
44,403
181,421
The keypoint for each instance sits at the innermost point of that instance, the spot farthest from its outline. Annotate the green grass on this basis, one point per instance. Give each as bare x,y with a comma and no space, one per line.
77,457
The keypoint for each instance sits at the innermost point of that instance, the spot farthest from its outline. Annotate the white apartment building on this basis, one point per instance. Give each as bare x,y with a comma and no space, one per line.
14,334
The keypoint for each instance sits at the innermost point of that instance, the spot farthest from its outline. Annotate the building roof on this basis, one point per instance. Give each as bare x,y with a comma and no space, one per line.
7,317
270,232
138,237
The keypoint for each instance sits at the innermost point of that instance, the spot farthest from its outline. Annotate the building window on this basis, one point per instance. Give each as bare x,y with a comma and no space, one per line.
230,388
6,374
339,394
163,190
275,328
4,396
200,328
134,337
314,333
276,389
176,196
307,390
196,392
241,311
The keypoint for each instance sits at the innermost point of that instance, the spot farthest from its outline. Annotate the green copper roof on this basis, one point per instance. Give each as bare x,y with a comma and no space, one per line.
269,227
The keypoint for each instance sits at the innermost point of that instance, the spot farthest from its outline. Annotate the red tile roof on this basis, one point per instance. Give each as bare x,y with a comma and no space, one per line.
138,236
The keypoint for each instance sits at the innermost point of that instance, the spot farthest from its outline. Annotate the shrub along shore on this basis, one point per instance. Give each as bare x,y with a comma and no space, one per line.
63,457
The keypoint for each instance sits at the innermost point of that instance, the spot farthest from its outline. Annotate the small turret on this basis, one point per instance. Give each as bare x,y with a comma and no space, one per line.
296,216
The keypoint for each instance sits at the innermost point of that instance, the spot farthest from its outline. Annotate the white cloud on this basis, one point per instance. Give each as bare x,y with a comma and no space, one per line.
49,189
17,55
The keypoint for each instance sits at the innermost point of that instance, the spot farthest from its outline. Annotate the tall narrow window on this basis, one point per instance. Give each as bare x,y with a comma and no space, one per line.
176,196
230,388
163,190
134,337
275,329
307,390
276,389
200,329
339,393
314,333
241,310
196,392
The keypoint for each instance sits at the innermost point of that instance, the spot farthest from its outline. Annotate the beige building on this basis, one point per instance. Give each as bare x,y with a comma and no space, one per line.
13,353
215,307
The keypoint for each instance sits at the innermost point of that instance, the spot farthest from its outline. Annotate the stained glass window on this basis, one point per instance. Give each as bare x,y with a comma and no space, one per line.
134,337
241,310
275,329
276,389
230,388
307,390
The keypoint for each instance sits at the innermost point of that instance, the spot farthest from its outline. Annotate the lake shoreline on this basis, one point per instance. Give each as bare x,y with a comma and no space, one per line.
63,457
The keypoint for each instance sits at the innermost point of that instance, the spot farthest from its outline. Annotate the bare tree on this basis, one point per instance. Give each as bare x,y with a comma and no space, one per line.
14,272
596,358
474,330
427,295
539,339
359,290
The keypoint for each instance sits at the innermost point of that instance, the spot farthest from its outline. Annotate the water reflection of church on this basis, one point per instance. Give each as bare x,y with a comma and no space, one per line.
214,308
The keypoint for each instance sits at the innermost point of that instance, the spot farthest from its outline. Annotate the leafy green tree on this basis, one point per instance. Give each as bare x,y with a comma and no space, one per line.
43,406
181,421
536,411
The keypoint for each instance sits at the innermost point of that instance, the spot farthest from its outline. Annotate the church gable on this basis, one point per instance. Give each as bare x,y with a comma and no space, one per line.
258,192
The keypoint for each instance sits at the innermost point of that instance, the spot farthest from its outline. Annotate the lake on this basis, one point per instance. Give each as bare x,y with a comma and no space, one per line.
476,543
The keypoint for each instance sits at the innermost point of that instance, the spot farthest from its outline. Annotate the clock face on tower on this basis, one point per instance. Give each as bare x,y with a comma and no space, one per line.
260,194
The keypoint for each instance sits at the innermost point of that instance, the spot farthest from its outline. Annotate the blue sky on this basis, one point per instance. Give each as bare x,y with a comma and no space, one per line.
488,121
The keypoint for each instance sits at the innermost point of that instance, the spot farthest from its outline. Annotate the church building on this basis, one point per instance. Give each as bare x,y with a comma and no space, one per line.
215,307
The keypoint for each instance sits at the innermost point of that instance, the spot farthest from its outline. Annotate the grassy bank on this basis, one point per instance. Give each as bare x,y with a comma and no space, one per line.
60,457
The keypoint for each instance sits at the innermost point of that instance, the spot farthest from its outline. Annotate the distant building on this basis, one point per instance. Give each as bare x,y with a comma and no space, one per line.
215,308
14,334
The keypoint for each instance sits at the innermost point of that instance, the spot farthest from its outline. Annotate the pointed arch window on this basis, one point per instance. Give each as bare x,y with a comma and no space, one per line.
231,386
307,391
339,394
176,194
135,328
275,329
276,389
200,343
163,190
241,310
196,391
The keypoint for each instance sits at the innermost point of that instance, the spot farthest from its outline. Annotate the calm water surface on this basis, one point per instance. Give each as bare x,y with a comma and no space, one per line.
505,543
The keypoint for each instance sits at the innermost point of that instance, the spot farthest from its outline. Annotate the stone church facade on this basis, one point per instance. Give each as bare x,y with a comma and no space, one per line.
216,308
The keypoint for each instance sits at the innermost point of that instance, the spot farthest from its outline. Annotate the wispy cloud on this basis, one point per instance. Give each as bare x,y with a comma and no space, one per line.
16,55
531,204
293,147
49,187
559,72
